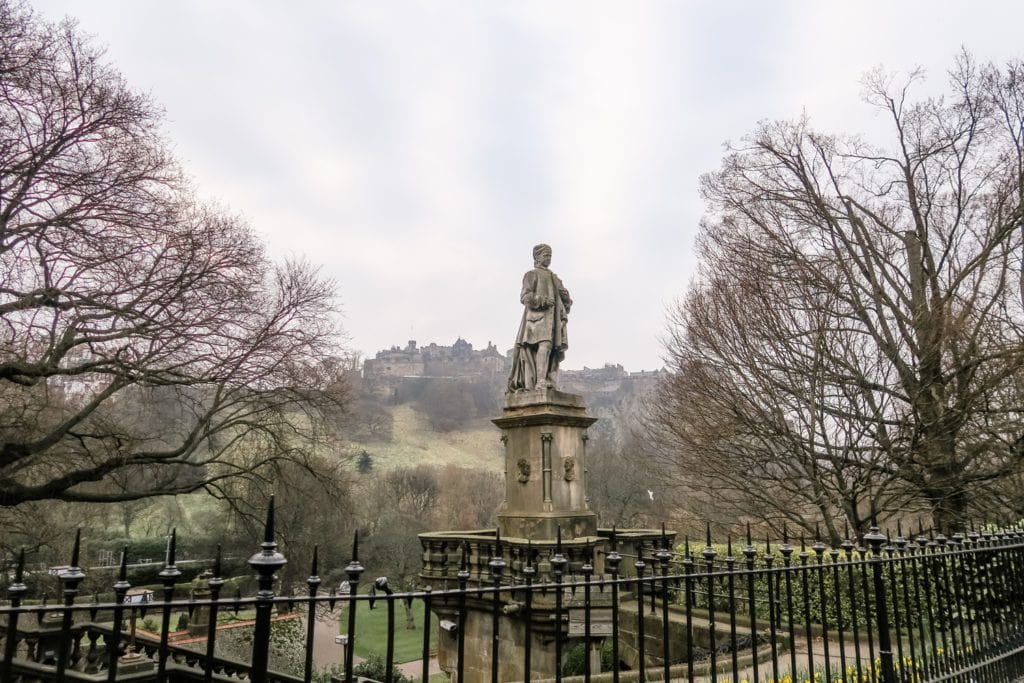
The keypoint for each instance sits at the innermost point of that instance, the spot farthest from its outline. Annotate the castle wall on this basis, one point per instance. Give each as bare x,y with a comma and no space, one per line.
389,367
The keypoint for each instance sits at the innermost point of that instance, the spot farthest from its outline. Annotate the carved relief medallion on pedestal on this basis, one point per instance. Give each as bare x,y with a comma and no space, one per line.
569,467
523,469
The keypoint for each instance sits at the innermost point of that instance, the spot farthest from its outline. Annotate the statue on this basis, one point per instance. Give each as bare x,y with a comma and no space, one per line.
542,341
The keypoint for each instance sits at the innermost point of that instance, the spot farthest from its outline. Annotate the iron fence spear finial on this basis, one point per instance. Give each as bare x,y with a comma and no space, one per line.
266,563
268,534
19,571
75,550
171,548
122,571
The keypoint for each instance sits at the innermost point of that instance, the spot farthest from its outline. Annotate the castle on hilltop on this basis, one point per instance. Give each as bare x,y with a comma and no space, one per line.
458,360
461,360
611,391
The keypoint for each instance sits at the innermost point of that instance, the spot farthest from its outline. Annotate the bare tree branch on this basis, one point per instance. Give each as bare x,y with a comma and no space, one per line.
144,336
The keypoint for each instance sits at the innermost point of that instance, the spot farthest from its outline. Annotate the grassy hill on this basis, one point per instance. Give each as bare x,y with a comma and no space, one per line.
414,443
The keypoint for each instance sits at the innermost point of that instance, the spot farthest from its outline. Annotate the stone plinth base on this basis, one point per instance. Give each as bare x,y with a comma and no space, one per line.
547,526
544,432
514,631
448,553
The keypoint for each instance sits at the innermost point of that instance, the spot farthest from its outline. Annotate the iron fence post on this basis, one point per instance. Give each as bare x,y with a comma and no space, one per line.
688,599
639,566
833,554
381,582
664,556
558,564
69,579
819,548
730,568
312,586
528,574
168,577
266,563
14,593
787,554
216,582
425,653
613,559
463,577
709,555
774,620
803,556
352,571
497,566
876,540
121,587
749,553
588,571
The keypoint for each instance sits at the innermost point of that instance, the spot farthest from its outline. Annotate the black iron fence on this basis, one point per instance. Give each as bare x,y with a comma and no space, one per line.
885,609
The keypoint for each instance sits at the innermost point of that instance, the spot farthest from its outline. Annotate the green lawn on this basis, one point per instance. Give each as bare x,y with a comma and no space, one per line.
372,628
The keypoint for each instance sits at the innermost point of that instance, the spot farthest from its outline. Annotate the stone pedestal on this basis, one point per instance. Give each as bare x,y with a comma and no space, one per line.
544,432
512,636
545,513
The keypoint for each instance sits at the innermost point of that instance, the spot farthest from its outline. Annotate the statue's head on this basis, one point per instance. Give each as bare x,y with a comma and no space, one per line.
542,255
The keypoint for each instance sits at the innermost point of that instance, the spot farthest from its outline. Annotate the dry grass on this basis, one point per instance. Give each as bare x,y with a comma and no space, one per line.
416,443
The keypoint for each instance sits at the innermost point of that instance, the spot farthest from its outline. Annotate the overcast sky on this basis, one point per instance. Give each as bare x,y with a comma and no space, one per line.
417,151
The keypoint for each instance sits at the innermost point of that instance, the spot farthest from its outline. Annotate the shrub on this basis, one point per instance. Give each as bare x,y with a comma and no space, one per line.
375,668
575,659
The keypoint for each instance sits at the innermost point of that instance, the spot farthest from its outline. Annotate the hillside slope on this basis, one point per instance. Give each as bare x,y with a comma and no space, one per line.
415,443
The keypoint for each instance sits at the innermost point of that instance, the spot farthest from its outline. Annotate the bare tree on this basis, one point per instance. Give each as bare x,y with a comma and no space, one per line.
399,503
123,299
853,340
468,498
313,505
624,483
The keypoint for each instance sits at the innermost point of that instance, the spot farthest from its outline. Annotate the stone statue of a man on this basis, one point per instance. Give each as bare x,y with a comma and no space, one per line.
542,341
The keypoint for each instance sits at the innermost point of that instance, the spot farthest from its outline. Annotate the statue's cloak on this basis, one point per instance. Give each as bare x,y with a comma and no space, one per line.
535,326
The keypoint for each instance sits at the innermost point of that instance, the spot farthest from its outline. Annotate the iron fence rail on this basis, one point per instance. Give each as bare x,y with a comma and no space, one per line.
914,609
